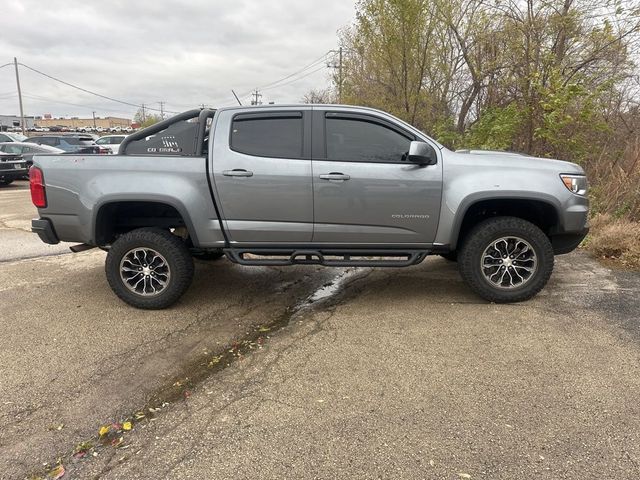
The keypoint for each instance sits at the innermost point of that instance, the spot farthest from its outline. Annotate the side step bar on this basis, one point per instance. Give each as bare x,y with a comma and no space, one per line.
326,257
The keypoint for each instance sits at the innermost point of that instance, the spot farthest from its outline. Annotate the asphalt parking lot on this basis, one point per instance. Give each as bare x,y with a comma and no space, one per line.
313,373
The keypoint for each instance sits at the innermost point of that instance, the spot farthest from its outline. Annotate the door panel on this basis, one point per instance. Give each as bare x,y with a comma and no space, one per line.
262,199
365,191
380,203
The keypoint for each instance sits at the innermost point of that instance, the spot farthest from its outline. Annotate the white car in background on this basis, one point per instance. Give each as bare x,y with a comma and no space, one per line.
112,142
11,137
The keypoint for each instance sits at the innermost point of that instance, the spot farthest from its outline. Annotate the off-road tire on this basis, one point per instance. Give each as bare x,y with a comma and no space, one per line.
488,231
171,247
208,256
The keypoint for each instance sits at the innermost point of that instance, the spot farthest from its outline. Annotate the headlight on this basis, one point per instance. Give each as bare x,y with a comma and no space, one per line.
575,183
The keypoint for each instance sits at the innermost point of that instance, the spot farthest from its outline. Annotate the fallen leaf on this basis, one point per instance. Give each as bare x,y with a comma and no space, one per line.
464,475
116,442
432,463
104,430
126,426
57,472
264,329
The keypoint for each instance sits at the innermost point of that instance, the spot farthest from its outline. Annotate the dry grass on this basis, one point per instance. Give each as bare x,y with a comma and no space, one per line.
615,240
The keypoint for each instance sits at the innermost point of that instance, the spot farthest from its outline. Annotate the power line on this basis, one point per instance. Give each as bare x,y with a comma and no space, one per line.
312,64
296,79
284,81
89,91
276,83
61,102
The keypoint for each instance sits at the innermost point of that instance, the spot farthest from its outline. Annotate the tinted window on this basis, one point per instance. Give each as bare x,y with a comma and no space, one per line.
278,136
362,141
102,141
78,140
52,141
116,140
177,139
5,138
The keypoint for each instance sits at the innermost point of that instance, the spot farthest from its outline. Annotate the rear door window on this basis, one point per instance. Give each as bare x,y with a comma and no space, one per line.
277,134
51,141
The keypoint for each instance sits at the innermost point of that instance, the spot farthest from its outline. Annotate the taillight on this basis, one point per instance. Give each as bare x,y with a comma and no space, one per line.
36,183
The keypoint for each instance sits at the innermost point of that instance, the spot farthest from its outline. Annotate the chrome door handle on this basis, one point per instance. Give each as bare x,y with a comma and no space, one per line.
334,176
238,172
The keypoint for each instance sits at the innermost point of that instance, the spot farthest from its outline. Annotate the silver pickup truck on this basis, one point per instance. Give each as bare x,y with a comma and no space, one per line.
313,185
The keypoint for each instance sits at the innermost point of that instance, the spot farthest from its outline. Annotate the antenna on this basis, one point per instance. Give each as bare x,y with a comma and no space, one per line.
234,94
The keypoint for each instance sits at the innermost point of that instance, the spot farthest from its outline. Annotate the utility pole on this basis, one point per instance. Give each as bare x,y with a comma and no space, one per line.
161,110
15,63
144,114
94,121
340,77
256,98
339,67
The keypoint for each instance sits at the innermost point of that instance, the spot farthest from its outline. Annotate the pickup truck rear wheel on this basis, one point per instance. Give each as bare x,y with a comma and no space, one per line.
506,259
149,268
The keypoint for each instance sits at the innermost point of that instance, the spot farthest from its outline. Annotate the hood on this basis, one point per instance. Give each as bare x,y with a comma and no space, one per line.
493,157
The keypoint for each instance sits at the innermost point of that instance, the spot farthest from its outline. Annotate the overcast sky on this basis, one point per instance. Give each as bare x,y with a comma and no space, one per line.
183,52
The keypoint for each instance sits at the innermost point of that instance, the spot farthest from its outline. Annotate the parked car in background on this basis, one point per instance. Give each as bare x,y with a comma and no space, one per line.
12,167
11,137
69,143
91,149
28,150
112,142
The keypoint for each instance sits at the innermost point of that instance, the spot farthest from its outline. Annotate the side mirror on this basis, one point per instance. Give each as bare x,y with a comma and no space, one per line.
422,154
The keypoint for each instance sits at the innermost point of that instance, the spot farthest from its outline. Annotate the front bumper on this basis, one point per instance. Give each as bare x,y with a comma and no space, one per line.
13,174
567,242
44,228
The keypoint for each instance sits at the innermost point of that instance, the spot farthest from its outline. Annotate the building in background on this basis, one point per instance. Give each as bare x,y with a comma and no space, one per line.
10,121
74,122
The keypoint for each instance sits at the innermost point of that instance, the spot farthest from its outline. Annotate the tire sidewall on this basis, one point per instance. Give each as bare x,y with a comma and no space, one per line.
157,240
483,236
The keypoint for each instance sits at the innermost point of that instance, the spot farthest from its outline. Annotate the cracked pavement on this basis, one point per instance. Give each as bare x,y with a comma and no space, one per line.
396,373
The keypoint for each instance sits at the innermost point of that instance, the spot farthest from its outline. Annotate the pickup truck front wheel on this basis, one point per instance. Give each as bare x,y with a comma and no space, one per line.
506,259
149,268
